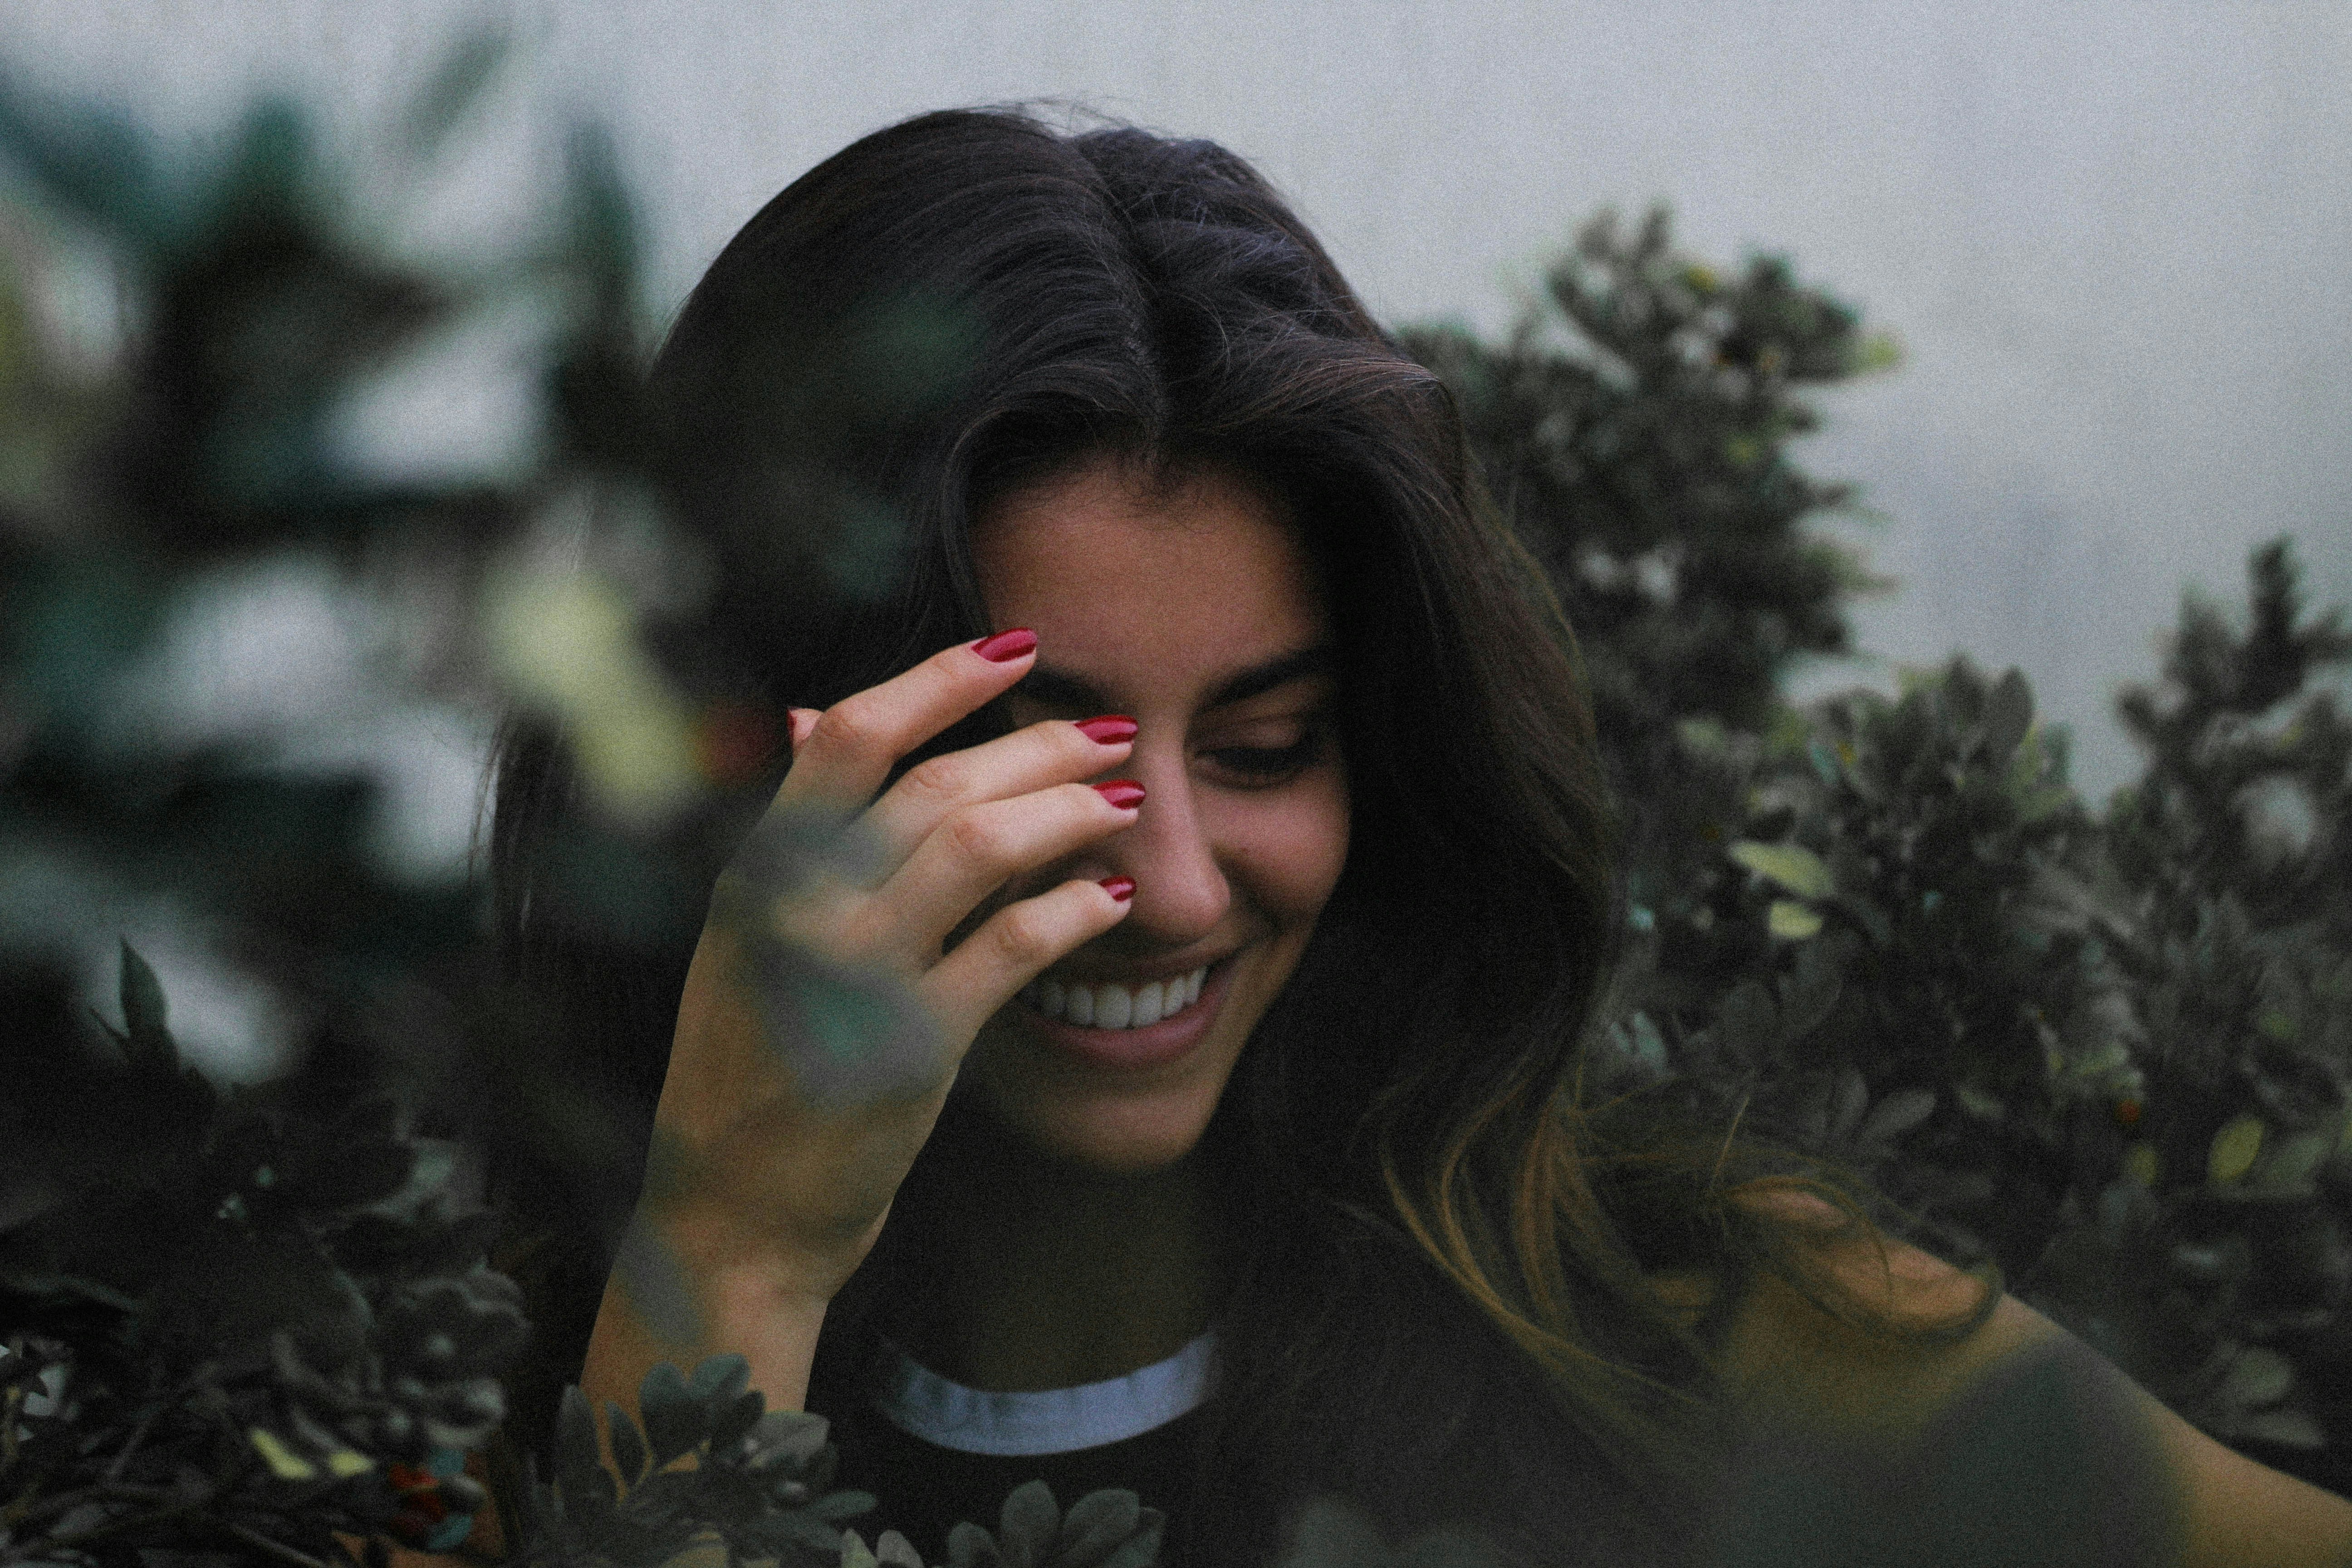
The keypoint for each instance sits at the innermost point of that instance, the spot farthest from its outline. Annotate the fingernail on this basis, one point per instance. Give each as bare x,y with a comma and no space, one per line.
1006,646
1109,730
1124,794
1119,888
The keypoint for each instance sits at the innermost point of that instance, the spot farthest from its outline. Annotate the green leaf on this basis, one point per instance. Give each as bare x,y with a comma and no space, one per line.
453,89
580,1469
628,1444
1097,1525
969,1546
2294,1161
283,1461
1792,866
1746,1022
2287,1428
147,1039
1978,1103
799,1436
738,1420
2234,1149
1330,1533
1140,1550
774,1532
674,1424
2009,714
1792,921
1809,991
719,1380
854,1554
1865,913
835,1506
1852,1097
1897,1114
2259,1376
1027,1525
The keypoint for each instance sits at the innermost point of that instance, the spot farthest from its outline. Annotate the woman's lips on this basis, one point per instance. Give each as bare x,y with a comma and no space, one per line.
1149,1045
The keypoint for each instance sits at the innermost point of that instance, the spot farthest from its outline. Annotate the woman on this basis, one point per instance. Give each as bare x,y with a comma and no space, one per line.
1235,825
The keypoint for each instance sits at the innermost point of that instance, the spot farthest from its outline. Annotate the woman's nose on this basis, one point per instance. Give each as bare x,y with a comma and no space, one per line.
1180,892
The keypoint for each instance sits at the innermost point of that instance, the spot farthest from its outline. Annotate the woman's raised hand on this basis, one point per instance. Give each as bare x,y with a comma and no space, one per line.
957,828
766,1194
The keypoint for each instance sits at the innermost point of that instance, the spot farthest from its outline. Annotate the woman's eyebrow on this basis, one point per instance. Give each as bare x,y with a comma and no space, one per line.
1243,685
1052,688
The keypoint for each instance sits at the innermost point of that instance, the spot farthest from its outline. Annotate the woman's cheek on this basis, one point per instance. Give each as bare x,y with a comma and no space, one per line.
1298,844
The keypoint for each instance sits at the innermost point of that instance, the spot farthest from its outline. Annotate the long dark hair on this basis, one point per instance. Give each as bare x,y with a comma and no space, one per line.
1448,1306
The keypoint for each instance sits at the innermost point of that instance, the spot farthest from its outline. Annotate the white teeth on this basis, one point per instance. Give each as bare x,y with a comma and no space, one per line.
1107,1005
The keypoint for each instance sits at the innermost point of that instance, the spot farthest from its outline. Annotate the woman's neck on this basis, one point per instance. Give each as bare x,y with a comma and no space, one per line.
1025,1272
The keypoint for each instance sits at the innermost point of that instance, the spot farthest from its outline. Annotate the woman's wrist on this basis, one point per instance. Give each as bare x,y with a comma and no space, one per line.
681,1252
679,1295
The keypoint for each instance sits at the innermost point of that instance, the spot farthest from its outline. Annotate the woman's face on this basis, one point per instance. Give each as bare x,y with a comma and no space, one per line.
1191,609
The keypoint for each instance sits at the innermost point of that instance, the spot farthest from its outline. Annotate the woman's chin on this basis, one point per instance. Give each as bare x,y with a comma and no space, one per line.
1132,1133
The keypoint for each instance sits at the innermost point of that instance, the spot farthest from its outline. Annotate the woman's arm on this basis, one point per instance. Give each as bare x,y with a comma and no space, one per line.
764,1194
739,1245
2019,1388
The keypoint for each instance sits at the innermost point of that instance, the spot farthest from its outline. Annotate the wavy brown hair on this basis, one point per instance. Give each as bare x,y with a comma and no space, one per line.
1450,1303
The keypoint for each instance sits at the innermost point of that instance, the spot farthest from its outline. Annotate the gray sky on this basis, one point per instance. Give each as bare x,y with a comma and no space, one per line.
2113,235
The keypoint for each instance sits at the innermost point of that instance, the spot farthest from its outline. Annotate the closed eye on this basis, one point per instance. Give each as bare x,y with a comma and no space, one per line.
1269,764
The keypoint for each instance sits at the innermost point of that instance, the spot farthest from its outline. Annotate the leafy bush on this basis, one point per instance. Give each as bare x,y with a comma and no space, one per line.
269,1327
2107,1051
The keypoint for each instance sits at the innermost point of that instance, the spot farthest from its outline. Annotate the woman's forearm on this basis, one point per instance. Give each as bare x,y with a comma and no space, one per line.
762,1308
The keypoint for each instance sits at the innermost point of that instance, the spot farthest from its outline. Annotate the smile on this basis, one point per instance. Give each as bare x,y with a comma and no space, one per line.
1106,1005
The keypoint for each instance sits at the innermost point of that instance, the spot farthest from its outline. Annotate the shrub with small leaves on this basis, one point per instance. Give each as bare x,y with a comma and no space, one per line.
713,1475
711,1471
2109,1052
1107,1529
276,1326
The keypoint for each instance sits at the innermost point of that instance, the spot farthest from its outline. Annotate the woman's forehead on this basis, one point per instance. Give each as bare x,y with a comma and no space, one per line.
1195,582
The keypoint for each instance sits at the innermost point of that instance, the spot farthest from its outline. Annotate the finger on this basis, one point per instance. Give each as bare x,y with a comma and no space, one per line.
1036,757
979,848
851,748
1015,945
798,722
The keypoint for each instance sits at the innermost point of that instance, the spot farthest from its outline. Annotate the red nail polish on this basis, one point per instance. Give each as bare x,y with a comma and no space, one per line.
1124,794
1006,646
1119,888
1109,730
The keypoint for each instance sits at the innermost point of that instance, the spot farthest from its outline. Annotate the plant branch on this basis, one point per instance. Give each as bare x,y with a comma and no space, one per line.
67,1501
278,1549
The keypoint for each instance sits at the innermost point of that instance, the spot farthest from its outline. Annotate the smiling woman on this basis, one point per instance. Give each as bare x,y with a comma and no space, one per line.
1187,603
1236,826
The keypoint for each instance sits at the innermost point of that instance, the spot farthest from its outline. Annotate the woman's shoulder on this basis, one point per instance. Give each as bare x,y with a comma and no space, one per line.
2012,1383
1878,1366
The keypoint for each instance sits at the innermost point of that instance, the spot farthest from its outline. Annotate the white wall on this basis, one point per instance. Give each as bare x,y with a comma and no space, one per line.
2116,235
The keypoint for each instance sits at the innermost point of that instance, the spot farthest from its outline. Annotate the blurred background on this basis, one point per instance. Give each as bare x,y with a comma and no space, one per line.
2113,238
